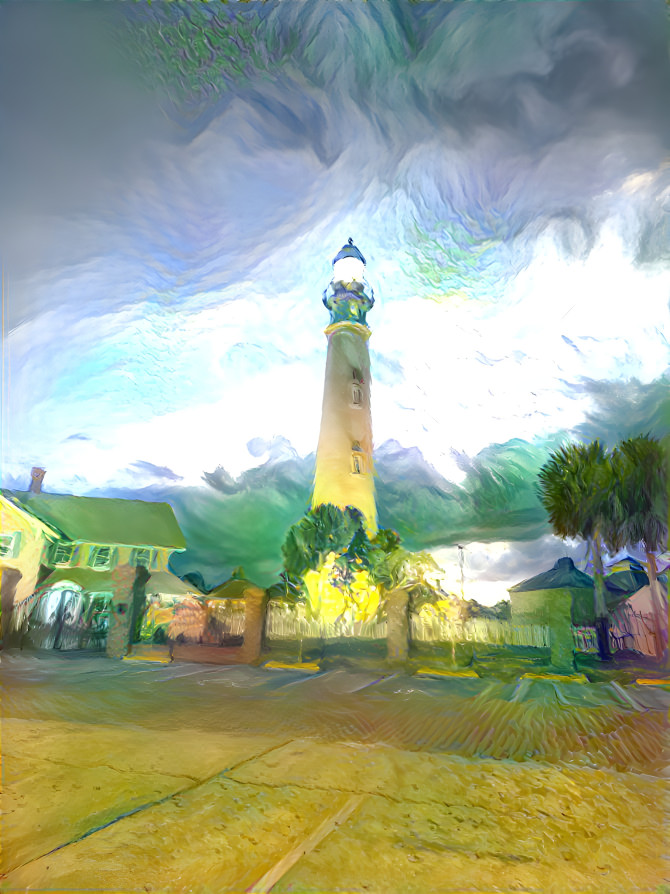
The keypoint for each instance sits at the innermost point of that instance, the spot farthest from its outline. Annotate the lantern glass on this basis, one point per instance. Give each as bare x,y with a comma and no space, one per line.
348,270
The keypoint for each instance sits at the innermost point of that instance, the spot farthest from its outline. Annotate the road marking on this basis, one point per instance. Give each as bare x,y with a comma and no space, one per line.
311,667
625,696
436,672
270,879
558,678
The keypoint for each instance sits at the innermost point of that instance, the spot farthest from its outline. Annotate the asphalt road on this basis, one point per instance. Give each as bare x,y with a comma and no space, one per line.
131,776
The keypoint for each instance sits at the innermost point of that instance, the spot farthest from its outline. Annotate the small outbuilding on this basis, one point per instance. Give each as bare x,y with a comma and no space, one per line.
556,598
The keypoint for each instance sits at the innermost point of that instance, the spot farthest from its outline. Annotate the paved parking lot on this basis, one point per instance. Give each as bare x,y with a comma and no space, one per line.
128,776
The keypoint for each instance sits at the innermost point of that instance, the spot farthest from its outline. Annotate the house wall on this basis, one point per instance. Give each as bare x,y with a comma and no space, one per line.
123,572
121,555
552,608
35,540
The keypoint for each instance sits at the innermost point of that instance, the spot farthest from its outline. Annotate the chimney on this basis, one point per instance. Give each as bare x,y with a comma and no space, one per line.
36,479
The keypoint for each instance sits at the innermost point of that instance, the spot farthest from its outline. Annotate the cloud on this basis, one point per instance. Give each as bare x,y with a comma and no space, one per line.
146,470
621,410
490,569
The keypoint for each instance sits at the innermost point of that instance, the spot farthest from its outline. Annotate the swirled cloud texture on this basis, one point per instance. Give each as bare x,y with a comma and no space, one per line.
178,177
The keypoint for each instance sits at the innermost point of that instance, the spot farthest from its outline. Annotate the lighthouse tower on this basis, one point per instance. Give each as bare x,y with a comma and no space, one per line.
344,472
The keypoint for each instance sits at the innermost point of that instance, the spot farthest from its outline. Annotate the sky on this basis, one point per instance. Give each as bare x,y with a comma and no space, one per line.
176,179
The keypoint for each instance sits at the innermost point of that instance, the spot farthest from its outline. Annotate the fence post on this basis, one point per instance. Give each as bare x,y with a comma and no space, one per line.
255,606
397,626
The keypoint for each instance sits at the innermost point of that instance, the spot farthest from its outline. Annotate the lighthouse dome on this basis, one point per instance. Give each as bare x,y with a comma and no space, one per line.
349,251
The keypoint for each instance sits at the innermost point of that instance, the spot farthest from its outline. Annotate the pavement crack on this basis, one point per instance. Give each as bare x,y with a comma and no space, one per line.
254,757
61,763
149,804
328,788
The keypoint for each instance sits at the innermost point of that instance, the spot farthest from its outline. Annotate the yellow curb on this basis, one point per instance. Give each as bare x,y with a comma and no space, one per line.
280,665
160,659
643,681
434,672
560,678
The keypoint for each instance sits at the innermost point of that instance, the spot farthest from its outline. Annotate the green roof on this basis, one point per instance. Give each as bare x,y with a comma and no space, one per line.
104,520
168,584
230,589
562,575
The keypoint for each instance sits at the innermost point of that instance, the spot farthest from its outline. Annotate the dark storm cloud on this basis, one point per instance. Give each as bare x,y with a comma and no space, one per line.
625,409
521,561
501,121
496,119
73,124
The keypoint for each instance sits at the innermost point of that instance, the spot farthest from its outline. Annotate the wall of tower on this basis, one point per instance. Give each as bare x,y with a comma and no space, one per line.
344,469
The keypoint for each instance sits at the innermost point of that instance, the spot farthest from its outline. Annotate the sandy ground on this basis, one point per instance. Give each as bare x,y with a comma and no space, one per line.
185,778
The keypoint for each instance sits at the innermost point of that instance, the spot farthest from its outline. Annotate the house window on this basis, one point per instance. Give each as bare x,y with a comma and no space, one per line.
10,544
100,557
62,553
144,557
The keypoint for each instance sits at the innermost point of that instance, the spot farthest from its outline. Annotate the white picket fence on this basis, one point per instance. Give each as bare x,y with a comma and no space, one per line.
437,628
291,623
283,622
226,617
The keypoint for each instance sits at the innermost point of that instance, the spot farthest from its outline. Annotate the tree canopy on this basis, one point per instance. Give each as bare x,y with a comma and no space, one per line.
640,467
328,529
576,489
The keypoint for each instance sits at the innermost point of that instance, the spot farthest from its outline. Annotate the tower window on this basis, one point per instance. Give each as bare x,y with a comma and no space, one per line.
356,396
357,459
356,376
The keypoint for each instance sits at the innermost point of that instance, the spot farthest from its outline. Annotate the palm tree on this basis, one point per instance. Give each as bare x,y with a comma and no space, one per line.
641,468
576,488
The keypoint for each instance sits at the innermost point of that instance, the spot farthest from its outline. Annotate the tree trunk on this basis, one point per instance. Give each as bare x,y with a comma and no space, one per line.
657,608
397,626
599,603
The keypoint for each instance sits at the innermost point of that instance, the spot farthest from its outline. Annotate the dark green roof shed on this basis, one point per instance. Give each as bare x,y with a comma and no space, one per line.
563,574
